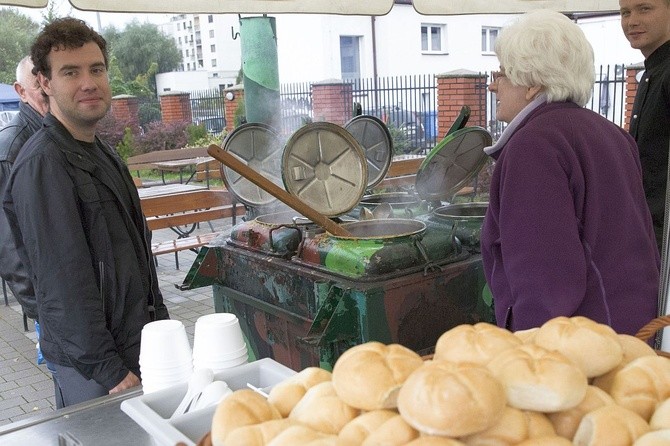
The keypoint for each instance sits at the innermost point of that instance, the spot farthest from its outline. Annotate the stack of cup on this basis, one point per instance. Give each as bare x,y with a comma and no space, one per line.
165,355
218,342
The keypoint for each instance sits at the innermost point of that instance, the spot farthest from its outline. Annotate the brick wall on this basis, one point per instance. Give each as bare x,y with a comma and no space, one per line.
332,101
176,107
631,90
125,108
230,105
456,89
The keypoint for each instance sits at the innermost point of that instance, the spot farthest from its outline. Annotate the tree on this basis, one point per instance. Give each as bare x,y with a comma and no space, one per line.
138,47
16,35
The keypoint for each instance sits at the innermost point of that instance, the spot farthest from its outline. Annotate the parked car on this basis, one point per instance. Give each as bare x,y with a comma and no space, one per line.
407,121
213,124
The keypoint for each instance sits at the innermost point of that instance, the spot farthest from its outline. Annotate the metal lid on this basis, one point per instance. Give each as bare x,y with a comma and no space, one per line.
258,146
374,136
325,167
452,163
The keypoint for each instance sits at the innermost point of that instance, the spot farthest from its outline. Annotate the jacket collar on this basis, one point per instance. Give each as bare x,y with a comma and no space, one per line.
514,124
658,57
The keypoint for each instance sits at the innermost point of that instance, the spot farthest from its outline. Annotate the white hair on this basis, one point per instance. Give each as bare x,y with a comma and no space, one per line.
546,49
24,71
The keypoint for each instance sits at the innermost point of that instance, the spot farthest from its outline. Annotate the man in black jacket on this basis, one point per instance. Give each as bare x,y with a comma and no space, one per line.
646,25
32,108
76,220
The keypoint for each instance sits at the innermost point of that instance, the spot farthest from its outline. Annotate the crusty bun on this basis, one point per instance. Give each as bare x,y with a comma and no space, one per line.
298,435
513,427
358,429
661,417
451,399
527,336
610,425
539,380
435,441
553,440
594,347
393,432
642,384
322,410
369,376
654,438
477,343
566,421
242,408
285,395
633,348
257,434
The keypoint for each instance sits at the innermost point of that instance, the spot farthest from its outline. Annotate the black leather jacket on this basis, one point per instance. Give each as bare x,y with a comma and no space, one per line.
12,138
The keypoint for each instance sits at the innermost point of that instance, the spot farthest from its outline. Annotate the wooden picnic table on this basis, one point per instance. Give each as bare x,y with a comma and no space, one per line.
180,165
167,189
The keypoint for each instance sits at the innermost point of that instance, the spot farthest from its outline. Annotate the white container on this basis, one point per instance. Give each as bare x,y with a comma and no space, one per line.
153,411
165,355
217,337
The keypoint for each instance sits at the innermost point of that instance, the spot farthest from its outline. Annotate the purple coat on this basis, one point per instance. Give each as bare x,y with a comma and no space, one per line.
568,231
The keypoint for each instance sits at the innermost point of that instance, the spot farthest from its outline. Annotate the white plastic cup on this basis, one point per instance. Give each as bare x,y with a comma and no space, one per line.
218,337
165,355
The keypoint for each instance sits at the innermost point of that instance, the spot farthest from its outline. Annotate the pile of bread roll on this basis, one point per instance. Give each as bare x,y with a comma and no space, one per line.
570,381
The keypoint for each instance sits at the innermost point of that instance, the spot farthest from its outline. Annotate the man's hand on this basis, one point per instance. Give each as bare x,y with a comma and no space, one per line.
131,380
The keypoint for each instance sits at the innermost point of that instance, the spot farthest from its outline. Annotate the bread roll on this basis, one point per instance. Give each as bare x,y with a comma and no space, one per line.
566,421
298,435
285,395
513,427
633,348
477,343
642,384
594,347
661,417
242,408
322,410
654,438
435,441
539,380
393,432
451,399
369,376
257,434
553,440
610,425
358,429
527,336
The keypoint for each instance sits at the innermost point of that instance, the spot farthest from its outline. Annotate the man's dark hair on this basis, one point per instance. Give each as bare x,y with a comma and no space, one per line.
63,34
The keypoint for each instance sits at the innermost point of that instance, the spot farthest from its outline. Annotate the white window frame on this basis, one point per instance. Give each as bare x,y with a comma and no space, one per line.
489,49
442,40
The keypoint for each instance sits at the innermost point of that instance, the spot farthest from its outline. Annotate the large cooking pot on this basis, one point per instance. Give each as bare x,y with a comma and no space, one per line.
467,220
402,205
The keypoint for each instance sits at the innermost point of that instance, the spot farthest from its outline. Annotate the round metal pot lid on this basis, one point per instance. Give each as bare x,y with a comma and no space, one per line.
374,136
324,166
259,147
452,163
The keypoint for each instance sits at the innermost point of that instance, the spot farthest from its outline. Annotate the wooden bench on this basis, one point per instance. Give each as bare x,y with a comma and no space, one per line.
187,209
147,161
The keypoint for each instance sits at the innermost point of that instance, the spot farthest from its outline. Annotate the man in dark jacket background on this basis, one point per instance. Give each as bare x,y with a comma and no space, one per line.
76,220
32,108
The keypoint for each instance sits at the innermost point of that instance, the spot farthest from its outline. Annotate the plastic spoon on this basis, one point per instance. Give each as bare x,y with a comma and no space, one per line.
211,395
196,383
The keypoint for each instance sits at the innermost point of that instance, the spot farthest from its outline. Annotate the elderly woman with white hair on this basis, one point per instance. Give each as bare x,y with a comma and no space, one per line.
568,231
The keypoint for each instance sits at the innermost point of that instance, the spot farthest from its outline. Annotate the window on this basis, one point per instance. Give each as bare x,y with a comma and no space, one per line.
211,33
350,59
432,38
178,26
210,18
489,36
186,53
212,48
180,41
213,62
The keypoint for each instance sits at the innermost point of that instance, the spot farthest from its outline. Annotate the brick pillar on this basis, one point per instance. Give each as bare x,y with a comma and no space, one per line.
332,101
456,89
176,107
631,90
125,108
230,105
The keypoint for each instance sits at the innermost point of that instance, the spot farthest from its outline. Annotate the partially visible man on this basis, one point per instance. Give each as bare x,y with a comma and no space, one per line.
32,108
76,220
646,24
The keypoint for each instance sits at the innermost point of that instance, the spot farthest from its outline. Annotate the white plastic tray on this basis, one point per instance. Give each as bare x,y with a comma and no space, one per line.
152,412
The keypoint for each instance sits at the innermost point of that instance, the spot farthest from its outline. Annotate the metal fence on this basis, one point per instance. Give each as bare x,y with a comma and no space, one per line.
208,109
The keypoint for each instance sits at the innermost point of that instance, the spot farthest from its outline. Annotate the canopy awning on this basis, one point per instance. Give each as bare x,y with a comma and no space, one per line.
344,7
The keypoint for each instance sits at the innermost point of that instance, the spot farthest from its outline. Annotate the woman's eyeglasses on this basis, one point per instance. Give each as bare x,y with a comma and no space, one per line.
496,75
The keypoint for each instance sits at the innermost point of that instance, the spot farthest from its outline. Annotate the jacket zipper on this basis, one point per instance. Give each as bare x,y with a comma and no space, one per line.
101,267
